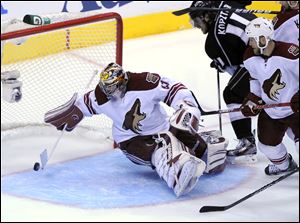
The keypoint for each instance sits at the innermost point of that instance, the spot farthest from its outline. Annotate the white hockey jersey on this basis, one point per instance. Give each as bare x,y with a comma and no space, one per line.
140,111
275,79
286,26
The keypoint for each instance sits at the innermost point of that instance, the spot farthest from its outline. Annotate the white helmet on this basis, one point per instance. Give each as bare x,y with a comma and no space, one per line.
260,27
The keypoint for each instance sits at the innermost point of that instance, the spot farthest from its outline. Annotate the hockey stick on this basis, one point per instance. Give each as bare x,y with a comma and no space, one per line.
285,104
193,9
44,155
219,100
226,207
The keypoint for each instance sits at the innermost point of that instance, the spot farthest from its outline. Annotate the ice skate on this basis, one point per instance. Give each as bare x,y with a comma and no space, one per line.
272,169
245,152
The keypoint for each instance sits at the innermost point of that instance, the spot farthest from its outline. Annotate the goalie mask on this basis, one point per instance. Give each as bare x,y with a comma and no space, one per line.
113,80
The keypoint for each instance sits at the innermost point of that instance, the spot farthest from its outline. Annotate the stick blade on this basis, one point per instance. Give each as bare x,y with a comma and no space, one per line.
181,12
44,158
212,208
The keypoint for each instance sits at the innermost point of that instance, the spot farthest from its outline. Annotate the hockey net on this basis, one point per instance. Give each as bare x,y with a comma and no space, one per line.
54,62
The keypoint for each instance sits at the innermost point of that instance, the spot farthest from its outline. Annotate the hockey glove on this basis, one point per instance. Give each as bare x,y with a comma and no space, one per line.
248,106
218,66
67,114
186,118
295,103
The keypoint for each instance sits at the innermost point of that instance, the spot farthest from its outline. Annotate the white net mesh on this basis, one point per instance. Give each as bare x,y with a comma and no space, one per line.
54,64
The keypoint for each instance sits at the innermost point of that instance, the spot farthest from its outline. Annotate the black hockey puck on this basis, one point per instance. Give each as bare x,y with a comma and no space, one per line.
36,166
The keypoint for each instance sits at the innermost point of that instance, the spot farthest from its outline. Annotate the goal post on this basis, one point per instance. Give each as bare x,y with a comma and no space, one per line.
55,61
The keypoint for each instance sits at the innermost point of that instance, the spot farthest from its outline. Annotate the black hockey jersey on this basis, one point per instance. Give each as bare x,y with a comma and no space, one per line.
227,41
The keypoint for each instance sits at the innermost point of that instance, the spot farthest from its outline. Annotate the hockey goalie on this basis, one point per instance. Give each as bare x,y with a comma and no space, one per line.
141,127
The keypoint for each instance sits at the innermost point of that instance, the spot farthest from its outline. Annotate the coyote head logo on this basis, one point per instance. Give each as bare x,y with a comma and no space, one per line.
133,117
272,85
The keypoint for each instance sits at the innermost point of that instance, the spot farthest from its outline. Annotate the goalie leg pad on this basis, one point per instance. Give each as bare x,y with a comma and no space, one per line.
215,155
67,114
175,165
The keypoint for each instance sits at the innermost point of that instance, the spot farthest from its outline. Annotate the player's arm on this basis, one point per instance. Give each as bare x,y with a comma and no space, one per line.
177,96
252,99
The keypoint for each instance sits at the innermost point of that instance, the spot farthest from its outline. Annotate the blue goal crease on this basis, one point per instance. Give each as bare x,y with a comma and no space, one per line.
110,180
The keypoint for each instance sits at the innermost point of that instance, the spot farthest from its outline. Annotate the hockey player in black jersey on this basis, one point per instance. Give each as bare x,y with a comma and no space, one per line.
225,44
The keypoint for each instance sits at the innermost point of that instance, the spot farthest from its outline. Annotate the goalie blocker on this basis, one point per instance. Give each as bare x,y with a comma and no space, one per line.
210,146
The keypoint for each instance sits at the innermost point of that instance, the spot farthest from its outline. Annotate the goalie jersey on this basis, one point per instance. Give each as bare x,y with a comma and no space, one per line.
140,111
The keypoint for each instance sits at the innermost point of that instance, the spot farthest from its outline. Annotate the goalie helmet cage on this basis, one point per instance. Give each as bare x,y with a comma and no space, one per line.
54,62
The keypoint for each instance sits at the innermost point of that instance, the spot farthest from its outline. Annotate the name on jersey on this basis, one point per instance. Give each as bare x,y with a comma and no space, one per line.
222,21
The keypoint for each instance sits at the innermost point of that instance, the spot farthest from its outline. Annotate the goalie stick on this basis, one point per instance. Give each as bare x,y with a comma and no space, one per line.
193,9
44,155
44,158
226,207
239,109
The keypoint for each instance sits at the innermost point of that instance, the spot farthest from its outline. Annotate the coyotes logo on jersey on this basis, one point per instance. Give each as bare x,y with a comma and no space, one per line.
272,85
133,117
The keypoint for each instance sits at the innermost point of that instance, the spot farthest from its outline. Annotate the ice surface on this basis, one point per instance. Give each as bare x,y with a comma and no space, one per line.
179,55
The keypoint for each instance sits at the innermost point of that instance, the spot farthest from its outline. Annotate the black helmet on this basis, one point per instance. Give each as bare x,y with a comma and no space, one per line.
215,4
203,4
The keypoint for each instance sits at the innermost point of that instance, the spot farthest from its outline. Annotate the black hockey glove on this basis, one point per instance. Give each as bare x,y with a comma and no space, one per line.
217,65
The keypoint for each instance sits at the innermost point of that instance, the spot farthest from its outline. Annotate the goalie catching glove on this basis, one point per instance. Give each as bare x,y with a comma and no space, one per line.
67,114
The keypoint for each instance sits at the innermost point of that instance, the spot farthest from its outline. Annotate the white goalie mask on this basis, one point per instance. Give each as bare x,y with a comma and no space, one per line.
260,27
